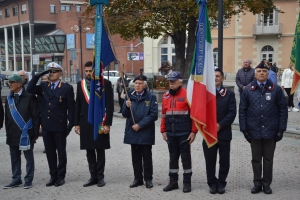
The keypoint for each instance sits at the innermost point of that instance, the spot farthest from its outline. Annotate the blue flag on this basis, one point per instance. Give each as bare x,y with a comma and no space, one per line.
103,56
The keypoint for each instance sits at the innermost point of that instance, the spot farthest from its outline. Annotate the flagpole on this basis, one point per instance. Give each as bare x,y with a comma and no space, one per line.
220,34
127,98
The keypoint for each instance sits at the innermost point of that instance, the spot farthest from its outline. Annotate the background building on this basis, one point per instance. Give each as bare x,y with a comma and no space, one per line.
248,36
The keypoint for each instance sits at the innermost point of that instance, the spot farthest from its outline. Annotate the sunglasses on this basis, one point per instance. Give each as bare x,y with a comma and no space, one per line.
54,71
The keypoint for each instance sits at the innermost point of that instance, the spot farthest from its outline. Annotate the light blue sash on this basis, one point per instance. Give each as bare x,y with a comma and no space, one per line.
24,140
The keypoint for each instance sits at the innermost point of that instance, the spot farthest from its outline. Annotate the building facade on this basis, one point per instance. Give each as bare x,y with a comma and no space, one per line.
254,37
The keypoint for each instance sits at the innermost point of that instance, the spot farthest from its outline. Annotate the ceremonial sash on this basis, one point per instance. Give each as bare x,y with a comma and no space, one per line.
24,140
85,91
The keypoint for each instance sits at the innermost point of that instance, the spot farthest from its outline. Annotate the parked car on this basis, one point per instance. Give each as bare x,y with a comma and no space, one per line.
113,76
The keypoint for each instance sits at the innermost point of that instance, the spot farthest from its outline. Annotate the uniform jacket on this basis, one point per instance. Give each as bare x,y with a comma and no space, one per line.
81,118
287,78
226,112
244,77
175,119
57,106
145,112
28,108
263,113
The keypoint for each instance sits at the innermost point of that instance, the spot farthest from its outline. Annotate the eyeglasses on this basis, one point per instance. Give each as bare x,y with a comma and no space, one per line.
88,70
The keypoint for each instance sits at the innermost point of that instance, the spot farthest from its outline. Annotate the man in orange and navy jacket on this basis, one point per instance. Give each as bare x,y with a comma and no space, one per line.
178,130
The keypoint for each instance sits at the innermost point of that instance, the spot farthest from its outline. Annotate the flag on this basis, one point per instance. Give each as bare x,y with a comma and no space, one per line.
103,56
295,56
201,89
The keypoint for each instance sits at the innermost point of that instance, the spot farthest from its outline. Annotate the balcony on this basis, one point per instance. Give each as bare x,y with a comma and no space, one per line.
267,30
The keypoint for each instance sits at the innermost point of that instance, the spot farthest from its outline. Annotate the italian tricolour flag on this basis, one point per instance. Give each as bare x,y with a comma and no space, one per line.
201,90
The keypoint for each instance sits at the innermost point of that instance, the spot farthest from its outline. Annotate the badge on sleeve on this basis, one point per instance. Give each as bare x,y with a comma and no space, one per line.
268,96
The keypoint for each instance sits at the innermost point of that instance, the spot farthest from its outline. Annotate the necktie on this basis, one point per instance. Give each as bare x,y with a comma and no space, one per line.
139,96
261,85
52,86
16,98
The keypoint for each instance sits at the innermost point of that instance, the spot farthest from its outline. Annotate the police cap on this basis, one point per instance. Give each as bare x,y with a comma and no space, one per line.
174,75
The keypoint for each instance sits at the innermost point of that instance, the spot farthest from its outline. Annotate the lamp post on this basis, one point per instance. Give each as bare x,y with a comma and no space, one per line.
78,29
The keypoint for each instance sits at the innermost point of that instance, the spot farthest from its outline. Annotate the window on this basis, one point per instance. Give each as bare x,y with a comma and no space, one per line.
167,51
23,11
7,13
65,8
52,8
15,11
0,14
78,8
271,20
215,53
267,53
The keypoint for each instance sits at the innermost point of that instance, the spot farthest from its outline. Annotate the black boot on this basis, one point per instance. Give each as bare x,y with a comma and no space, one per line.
187,187
173,184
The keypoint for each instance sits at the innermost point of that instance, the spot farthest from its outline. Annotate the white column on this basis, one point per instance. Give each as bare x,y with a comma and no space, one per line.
30,51
14,48
6,49
22,46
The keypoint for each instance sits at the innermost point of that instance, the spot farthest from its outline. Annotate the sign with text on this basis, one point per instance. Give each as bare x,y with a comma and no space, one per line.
35,59
135,56
70,41
90,40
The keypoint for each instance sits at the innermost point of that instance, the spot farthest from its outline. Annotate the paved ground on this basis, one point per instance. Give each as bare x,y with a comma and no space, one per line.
119,172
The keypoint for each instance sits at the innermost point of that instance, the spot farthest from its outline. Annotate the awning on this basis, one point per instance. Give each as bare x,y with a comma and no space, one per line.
72,2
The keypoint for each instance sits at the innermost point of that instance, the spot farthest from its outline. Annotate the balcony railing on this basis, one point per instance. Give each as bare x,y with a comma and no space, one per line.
267,30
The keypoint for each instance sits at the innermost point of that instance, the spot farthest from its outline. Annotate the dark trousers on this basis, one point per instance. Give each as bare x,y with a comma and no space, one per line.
15,156
290,96
56,141
142,161
96,162
179,146
262,149
121,101
210,155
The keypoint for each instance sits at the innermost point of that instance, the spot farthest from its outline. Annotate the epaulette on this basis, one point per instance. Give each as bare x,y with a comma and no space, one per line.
223,92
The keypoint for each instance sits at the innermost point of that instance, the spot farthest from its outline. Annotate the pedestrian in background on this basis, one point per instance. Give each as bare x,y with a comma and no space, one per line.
178,130
286,84
272,75
226,112
22,128
95,149
140,130
24,76
263,119
120,88
244,76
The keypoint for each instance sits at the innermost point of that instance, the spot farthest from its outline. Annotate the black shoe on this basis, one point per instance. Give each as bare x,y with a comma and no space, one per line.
149,184
44,151
90,182
267,189
213,189
256,189
13,184
51,182
221,190
171,186
101,183
136,183
59,182
27,185
187,187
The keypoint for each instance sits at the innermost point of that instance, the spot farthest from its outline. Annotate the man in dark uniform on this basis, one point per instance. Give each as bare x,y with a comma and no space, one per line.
95,150
226,112
57,109
140,130
263,119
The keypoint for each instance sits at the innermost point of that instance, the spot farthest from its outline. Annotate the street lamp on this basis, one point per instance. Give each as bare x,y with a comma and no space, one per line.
78,29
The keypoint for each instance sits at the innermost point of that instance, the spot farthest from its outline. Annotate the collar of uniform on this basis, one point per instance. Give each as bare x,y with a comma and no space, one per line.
55,83
222,91
268,85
